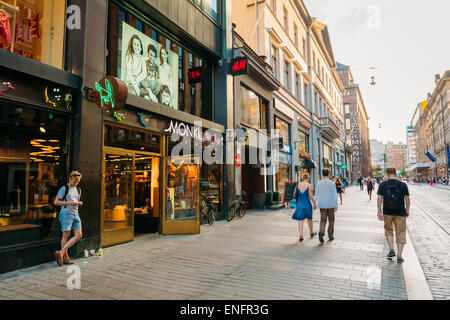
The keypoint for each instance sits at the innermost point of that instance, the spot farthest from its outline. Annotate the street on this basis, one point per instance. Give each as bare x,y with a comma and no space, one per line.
256,257
429,227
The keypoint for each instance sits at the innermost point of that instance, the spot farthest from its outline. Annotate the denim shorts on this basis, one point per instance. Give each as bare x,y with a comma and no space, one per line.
69,221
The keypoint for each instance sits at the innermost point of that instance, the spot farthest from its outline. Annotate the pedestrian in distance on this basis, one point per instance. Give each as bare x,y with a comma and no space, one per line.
303,209
339,187
327,202
370,187
393,208
68,198
361,183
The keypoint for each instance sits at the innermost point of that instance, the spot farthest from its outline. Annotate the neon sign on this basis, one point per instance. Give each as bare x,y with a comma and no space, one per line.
106,94
239,66
196,75
141,119
6,86
54,97
110,94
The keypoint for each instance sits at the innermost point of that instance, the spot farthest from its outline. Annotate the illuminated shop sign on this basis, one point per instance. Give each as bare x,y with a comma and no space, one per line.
184,130
239,66
196,75
110,94
6,86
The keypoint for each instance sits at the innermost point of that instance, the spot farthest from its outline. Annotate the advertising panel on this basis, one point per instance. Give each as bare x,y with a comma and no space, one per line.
149,69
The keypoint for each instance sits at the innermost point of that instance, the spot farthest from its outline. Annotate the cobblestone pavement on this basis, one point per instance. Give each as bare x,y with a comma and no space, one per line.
429,228
257,257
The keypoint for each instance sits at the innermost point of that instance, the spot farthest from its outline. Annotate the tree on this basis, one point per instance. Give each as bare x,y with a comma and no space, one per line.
403,173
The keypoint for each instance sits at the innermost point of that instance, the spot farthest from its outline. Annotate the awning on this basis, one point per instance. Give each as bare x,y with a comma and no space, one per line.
308,164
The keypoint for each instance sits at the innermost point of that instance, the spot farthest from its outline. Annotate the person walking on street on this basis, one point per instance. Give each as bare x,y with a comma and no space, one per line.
361,183
339,187
327,202
68,198
370,187
303,209
393,208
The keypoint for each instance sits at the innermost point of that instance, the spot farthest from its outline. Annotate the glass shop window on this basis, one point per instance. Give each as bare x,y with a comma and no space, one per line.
33,166
34,29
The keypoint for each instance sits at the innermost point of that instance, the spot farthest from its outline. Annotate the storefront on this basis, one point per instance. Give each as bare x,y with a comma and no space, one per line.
284,173
37,110
253,111
149,183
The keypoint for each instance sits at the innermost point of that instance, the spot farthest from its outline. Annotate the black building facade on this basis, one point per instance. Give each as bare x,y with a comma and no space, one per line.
131,183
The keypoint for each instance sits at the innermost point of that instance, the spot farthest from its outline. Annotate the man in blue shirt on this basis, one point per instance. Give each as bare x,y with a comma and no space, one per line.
327,202
68,198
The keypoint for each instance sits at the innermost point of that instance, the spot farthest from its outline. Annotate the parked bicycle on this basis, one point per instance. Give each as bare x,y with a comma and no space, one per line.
208,209
239,206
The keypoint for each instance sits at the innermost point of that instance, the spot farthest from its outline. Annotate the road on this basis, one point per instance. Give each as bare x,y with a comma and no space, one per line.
429,228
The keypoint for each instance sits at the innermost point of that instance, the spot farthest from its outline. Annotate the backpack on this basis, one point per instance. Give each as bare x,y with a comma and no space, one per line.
66,192
393,198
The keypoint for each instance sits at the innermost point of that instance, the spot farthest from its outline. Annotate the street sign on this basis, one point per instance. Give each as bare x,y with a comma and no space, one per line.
344,166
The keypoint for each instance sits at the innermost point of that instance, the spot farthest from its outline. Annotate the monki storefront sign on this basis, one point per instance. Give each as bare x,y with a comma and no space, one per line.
182,129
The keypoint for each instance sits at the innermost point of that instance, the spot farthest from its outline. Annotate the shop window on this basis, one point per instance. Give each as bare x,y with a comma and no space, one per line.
253,109
33,166
132,140
303,142
34,29
284,172
154,66
283,129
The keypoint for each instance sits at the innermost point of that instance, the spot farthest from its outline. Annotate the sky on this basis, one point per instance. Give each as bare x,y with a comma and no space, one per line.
405,40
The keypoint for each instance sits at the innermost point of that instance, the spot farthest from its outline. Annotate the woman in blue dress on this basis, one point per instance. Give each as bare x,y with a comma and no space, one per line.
304,210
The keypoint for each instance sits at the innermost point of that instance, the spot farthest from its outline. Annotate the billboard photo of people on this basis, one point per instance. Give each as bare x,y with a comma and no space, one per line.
149,69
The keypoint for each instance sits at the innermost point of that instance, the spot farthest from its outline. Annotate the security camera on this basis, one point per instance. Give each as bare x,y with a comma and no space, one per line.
221,63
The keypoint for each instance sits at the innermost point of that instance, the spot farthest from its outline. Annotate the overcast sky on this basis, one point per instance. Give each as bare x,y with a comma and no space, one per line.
408,45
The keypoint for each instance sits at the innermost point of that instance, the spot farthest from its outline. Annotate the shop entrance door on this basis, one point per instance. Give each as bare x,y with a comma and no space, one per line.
181,198
117,194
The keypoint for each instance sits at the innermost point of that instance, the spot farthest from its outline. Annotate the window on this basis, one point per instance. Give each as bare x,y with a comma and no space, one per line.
285,20
347,108
210,7
151,76
37,30
287,75
33,166
297,86
275,63
314,60
304,48
284,130
347,124
253,109
295,35
303,142
273,5
305,95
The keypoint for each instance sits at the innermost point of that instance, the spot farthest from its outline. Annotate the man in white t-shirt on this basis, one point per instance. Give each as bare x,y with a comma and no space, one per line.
68,198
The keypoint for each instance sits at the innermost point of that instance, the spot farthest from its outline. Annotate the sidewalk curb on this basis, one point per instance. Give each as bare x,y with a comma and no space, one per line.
415,282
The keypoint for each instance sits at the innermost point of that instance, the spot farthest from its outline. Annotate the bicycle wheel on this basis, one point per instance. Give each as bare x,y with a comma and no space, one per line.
243,209
231,213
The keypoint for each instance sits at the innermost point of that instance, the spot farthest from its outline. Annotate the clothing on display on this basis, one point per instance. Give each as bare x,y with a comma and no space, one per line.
5,30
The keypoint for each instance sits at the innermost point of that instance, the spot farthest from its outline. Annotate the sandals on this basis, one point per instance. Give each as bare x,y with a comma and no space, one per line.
301,239
391,253
400,260
313,234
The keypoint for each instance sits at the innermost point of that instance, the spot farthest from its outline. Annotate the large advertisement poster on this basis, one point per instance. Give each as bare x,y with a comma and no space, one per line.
149,69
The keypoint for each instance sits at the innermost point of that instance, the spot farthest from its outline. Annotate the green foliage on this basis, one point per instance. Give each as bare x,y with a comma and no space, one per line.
269,198
276,196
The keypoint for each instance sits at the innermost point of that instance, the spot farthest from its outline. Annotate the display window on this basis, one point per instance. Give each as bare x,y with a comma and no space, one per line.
303,142
154,66
34,29
283,129
253,109
284,172
33,166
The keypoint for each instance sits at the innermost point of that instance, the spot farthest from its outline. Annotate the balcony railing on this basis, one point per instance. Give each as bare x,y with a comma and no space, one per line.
330,127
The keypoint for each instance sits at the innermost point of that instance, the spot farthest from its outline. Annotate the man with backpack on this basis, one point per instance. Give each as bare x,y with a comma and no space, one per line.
393,194
68,198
